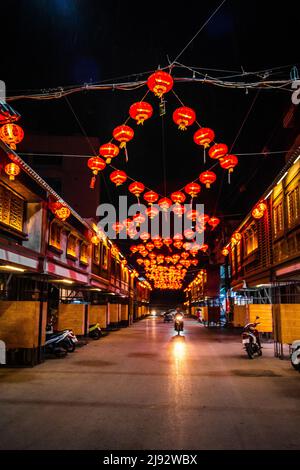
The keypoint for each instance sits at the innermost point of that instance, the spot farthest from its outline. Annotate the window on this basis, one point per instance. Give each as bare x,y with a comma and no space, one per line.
293,206
238,254
96,254
233,259
55,235
71,246
84,253
278,219
251,239
104,257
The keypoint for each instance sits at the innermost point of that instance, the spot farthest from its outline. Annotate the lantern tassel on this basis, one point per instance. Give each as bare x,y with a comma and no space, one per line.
204,155
92,183
126,153
228,177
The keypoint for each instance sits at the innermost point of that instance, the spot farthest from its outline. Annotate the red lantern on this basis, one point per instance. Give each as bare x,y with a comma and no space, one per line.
123,134
204,248
134,249
118,177
168,241
185,255
160,83
136,188
204,136
218,151
150,197
189,234
144,236
127,223
12,169
117,227
193,189
229,162
259,210
178,197
178,210
151,212
8,114
139,219
236,237
178,236
96,164
60,210
140,111
165,203
192,215
178,244
184,117
225,252
207,178
203,219
158,243
109,151
214,222
149,246
11,134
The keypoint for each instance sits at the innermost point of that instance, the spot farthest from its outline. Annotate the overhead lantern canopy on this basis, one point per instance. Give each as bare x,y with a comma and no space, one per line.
118,177
109,151
184,117
207,177
140,111
160,82
204,137
96,164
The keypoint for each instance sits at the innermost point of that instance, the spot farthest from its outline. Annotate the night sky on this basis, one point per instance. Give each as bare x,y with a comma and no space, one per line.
51,43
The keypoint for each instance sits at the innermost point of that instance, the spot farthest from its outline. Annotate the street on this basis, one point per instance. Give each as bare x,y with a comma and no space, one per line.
141,387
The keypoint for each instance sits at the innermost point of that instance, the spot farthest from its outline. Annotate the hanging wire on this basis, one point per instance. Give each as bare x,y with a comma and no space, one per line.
244,120
199,31
163,152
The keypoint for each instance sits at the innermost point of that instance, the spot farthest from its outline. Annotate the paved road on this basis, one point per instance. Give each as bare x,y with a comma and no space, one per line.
143,388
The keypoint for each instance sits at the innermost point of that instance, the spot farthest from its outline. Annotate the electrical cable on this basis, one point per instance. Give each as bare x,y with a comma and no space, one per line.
199,31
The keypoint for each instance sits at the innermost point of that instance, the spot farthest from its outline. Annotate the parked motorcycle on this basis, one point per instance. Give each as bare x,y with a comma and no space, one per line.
250,339
95,331
295,354
178,323
58,343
